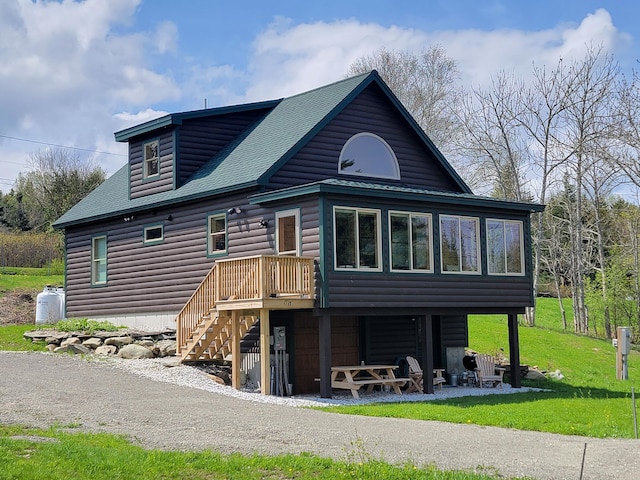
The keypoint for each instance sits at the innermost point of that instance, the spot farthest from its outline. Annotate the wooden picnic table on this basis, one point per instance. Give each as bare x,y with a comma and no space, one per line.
353,377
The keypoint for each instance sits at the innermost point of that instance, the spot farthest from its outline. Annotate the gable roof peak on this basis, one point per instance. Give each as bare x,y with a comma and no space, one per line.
253,157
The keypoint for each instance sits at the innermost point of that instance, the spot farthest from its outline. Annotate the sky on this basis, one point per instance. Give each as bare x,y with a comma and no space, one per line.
74,72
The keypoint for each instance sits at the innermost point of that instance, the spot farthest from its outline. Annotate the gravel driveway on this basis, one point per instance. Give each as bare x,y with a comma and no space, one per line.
42,389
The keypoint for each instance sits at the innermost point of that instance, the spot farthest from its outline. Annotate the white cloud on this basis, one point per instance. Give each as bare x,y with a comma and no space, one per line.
127,119
481,54
289,58
166,37
65,68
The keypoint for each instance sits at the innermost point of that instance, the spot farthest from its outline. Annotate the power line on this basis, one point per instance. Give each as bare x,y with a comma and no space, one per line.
12,163
62,146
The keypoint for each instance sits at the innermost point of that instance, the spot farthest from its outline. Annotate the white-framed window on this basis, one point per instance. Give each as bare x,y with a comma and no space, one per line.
288,232
410,242
153,234
99,260
368,155
357,239
459,244
505,247
151,153
217,234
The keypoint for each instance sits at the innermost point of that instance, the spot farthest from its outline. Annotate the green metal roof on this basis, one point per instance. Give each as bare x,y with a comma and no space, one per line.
358,188
250,159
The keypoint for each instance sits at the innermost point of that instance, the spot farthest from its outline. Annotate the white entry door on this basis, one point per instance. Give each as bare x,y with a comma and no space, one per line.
288,232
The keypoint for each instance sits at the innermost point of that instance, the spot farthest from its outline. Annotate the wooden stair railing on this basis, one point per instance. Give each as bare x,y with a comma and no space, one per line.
198,309
203,332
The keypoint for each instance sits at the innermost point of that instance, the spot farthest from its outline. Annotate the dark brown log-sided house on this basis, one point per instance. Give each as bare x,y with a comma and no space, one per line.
328,213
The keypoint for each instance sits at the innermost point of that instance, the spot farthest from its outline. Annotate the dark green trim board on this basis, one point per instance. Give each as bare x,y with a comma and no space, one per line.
128,167
177,118
176,156
377,190
323,267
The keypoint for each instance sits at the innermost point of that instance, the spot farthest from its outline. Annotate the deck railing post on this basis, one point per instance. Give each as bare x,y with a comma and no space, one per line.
265,353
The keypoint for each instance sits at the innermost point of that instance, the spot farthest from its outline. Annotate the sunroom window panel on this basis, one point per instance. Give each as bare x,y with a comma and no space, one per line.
513,242
469,244
450,244
495,247
505,247
345,238
400,251
368,239
357,238
421,242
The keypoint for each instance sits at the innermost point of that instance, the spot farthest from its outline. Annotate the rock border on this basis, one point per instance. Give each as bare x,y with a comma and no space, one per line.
129,344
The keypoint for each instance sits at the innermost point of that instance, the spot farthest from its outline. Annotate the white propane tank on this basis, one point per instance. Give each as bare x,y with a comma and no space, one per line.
48,306
60,292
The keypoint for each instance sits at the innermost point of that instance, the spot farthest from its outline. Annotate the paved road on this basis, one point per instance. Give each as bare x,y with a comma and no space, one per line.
40,390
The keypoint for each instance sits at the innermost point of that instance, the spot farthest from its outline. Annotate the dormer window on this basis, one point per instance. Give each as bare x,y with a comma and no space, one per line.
368,155
151,159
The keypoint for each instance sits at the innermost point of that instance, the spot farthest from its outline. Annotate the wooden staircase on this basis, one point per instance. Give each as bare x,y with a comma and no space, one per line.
211,338
204,326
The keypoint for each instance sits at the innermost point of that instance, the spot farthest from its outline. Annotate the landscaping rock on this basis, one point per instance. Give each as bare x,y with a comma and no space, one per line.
535,375
70,341
167,348
119,341
146,343
134,351
106,350
73,348
92,342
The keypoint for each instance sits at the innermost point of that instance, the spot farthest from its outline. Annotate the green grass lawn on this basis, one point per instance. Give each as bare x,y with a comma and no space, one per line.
13,278
27,453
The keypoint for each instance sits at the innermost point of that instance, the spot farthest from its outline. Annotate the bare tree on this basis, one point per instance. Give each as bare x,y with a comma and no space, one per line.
627,128
58,180
588,116
554,251
426,83
492,139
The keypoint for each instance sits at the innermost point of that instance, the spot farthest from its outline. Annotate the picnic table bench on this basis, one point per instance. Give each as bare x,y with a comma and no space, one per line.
353,377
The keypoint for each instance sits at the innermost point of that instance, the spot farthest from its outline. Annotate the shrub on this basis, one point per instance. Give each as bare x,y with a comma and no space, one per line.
84,325
29,249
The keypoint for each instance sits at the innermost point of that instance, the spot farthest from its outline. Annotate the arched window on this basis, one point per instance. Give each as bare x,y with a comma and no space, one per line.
368,155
